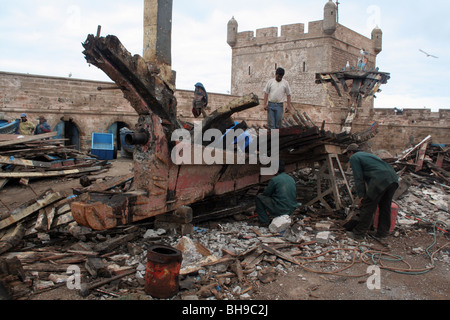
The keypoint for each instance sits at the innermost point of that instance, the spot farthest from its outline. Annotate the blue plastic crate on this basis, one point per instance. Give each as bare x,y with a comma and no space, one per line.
103,146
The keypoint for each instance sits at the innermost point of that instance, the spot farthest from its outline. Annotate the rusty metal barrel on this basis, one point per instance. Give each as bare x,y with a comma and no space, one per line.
162,271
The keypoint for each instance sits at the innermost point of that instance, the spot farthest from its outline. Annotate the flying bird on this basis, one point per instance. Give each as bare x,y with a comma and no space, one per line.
428,55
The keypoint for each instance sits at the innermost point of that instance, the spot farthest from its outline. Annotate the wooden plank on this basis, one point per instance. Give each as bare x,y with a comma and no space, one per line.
12,238
439,161
280,254
105,186
23,162
421,156
334,82
19,175
309,120
344,84
31,151
333,181
23,139
427,139
42,201
8,137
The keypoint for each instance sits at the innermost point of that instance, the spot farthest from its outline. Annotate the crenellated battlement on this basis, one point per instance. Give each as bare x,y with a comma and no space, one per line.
296,32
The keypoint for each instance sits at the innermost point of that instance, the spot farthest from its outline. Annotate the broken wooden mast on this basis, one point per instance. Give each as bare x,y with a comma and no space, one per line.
358,85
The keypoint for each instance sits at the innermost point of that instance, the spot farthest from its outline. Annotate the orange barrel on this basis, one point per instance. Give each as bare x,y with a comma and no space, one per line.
162,271
394,213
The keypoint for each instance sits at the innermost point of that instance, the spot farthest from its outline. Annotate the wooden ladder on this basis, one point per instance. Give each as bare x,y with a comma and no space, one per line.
327,175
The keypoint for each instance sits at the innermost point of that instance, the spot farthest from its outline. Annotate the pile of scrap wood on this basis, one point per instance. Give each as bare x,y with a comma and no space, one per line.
38,156
344,138
47,212
36,268
426,160
41,221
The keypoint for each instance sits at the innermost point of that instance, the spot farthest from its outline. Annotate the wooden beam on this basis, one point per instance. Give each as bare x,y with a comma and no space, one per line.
33,206
104,186
47,174
23,139
427,139
24,162
280,254
12,238
223,113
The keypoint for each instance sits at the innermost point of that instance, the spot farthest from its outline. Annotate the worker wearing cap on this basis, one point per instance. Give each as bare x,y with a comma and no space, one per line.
200,101
26,127
375,182
43,126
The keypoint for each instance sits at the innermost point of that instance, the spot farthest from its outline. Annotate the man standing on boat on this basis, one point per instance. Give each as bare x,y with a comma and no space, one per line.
275,93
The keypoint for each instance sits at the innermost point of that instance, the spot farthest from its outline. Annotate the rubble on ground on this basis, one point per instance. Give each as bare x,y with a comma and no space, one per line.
222,259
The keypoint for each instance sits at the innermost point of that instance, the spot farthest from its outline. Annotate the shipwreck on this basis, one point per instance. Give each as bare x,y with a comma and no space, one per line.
162,186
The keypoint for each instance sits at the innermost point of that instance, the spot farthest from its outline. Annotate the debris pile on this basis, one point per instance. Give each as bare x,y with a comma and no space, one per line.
226,255
35,157
45,219
426,161
222,259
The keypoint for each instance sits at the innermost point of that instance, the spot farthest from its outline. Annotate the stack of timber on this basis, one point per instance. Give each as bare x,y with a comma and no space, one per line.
39,222
428,160
39,156
302,139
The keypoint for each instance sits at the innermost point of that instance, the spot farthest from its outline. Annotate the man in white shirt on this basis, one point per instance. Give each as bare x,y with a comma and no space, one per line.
276,92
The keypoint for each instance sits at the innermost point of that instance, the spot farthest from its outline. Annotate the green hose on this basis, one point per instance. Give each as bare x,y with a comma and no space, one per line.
378,256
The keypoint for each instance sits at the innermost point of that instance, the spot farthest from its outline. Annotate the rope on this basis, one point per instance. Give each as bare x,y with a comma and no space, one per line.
377,257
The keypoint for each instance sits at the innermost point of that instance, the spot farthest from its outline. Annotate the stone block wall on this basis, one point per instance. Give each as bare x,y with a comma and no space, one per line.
64,99
398,132
91,110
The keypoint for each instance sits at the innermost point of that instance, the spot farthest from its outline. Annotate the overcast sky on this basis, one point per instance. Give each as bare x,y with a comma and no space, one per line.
44,37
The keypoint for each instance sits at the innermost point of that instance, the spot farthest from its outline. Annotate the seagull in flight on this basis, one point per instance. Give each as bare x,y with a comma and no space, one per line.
428,55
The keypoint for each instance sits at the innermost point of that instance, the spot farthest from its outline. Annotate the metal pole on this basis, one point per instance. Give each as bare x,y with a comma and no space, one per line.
337,10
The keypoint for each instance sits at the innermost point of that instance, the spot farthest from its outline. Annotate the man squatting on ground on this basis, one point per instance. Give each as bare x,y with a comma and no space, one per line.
278,199
275,93
376,182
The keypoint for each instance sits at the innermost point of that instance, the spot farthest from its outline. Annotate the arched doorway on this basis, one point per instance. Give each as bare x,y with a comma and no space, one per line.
115,130
67,129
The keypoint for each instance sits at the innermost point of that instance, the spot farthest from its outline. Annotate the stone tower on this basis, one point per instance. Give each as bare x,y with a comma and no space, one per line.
330,18
377,38
232,32
326,47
